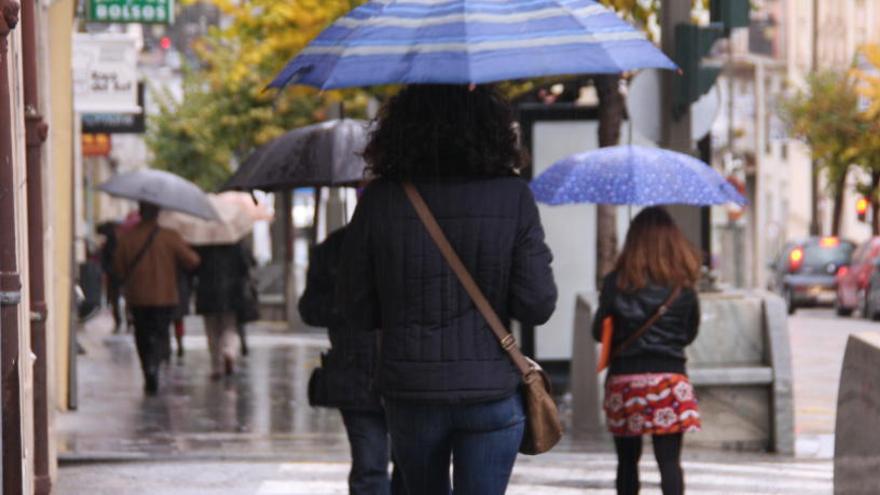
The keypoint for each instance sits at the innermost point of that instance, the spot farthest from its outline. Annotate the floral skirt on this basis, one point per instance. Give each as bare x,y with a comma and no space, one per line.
650,404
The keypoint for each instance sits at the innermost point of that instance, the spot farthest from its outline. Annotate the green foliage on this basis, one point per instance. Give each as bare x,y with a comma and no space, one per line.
827,118
869,81
226,112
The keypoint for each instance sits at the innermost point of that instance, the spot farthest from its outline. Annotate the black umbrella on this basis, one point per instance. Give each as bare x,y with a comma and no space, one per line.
325,154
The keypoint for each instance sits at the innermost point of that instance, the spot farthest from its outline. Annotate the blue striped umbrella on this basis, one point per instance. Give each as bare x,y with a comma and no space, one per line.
633,175
469,41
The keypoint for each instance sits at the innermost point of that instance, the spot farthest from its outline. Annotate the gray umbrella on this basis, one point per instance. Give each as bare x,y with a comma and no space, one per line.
162,188
325,154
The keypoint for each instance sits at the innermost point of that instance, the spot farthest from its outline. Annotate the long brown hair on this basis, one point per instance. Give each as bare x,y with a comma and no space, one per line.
656,252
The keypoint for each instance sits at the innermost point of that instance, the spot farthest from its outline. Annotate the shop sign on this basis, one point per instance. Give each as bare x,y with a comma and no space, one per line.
105,73
117,123
132,11
96,145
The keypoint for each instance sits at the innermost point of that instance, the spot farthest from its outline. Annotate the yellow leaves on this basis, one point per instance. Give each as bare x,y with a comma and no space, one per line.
868,79
226,113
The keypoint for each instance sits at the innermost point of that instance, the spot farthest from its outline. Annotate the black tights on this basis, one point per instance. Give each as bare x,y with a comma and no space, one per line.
667,451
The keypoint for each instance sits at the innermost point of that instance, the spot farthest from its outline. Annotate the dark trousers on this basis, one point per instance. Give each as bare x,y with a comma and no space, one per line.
667,451
482,440
113,294
370,453
151,336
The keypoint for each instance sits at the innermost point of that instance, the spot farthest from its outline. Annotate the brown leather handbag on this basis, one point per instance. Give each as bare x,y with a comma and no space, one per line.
543,428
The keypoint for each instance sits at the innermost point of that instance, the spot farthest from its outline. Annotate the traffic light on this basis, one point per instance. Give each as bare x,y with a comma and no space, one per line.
730,13
692,43
862,208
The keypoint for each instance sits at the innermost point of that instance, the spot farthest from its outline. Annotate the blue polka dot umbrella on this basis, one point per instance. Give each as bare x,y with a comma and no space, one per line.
633,175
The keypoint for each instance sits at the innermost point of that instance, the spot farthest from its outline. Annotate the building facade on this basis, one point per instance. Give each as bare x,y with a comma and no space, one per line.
822,35
36,170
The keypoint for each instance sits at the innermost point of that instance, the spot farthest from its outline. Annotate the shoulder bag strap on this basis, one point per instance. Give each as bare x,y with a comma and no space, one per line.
507,340
648,324
139,256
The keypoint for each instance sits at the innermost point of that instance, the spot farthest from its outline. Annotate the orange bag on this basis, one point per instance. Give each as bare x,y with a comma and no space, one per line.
605,353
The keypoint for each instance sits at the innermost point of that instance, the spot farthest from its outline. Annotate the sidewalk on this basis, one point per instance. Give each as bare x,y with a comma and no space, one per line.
255,434
261,412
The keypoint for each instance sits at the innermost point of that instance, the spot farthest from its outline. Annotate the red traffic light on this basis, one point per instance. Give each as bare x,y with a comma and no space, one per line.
862,206
165,42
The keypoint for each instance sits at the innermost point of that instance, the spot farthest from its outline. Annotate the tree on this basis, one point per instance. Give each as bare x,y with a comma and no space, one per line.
827,118
226,111
868,79
643,13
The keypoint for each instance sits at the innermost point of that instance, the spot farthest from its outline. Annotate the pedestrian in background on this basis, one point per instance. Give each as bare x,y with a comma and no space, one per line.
146,260
249,306
350,361
222,279
113,290
184,290
655,312
449,388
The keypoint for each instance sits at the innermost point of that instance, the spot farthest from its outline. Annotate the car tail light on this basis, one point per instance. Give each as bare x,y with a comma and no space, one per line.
795,260
829,242
842,271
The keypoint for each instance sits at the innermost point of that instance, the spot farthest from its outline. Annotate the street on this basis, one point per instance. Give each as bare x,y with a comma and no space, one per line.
818,340
256,434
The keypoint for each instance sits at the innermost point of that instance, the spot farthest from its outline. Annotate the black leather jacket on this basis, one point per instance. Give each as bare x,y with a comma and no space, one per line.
661,348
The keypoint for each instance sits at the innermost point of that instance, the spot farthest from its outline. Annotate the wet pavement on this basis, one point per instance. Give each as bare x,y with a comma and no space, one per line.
255,433
262,411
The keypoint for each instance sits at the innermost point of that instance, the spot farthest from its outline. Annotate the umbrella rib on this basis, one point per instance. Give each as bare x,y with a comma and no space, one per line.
345,45
573,14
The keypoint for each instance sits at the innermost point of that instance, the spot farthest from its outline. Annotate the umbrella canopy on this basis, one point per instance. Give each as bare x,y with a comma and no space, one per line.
237,212
469,41
162,188
634,175
325,154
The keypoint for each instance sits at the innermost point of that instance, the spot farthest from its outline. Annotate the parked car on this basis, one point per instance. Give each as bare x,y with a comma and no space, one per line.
854,281
805,272
872,294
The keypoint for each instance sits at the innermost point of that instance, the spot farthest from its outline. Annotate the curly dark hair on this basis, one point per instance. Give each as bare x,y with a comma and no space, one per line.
437,131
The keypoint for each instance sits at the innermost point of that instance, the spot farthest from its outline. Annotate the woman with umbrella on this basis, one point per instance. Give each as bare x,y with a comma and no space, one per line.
649,311
449,388
224,293
651,302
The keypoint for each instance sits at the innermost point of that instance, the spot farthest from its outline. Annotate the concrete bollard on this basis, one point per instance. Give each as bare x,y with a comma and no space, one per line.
586,421
857,440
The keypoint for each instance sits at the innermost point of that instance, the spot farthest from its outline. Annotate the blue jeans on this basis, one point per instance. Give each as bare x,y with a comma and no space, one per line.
482,440
368,438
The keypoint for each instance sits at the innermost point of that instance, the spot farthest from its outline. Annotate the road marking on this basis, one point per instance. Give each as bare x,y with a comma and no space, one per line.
565,474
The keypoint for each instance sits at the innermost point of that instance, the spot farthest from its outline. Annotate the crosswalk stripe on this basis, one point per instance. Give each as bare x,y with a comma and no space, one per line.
575,473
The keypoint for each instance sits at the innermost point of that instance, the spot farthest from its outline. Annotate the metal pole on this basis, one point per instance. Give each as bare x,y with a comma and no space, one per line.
287,234
676,132
36,131
814,165
705,147
10,280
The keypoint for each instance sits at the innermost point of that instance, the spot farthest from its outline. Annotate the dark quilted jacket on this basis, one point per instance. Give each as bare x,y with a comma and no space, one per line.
352,354
220,278
436,347
661,348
